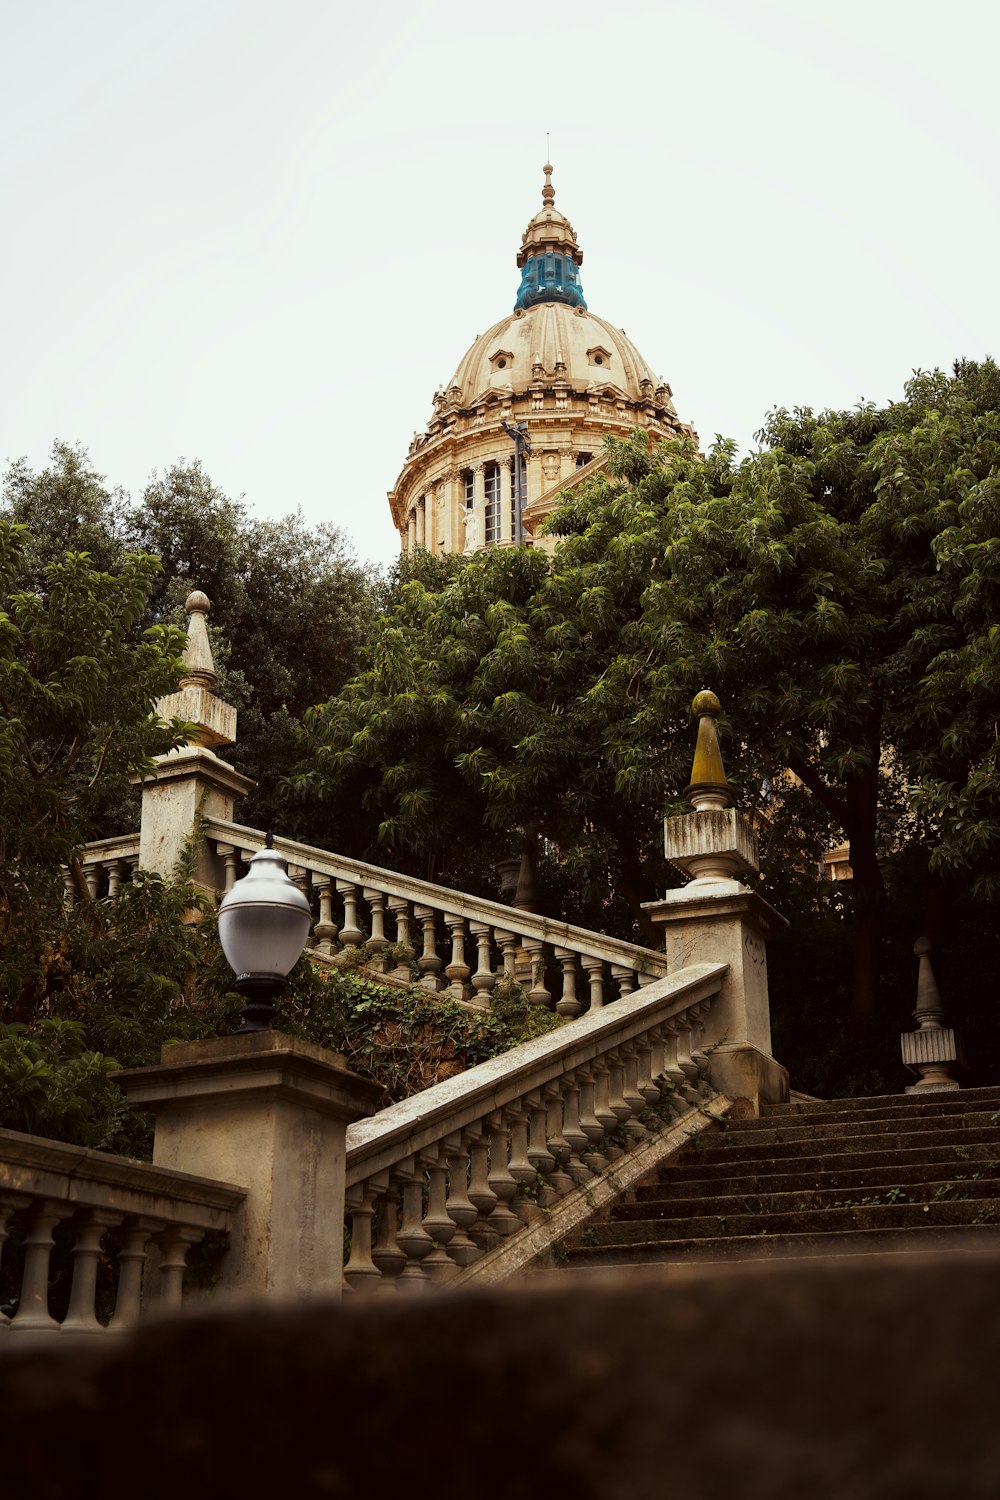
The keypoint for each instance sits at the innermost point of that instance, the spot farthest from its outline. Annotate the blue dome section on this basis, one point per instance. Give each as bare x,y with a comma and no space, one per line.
550,277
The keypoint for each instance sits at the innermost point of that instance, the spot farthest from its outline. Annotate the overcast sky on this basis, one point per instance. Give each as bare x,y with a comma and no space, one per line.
263,234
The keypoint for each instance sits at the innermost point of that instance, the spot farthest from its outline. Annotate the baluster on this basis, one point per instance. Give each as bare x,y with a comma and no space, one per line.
602,1106
411,1235
507,943
230,857
429,962
592,1127
484,978
376,901
8,1208
625,977
131,1261
325,931
350,933
698,1013
521,1168
685,1069
386,1252
404,948
116,870
69,890
81,1316
500,1179
92,875
631,1093
458,970
674,1075
617,1102
557,1143
32,1315
484,1232
573,1132
461,1210
594,969
649,1052
537,994
361,1273
539,1155
437,1222
568,1004
174,1244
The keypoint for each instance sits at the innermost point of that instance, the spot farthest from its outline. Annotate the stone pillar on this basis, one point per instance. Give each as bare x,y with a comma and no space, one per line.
716,919
411,530
421,522
477,531
191,782
268,1113
506,501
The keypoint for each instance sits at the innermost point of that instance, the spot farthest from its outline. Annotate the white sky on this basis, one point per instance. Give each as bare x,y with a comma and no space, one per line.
262,234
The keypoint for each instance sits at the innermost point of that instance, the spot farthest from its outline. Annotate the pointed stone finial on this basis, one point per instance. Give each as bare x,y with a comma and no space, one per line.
933,1047
548,191
198,651
709,785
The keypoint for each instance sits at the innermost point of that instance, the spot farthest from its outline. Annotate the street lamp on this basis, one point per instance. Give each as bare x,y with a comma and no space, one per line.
263,925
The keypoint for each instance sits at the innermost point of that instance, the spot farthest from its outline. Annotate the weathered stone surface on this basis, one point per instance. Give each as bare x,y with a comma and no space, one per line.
267,1111
863,1382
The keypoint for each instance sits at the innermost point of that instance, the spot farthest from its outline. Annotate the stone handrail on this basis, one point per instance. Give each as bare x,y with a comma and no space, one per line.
430,919
521,1133
44,1183
107,864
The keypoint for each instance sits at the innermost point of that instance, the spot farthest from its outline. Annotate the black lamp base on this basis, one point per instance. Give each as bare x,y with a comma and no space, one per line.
260,992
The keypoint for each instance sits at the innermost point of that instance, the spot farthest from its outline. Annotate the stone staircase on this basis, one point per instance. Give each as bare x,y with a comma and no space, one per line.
895,1173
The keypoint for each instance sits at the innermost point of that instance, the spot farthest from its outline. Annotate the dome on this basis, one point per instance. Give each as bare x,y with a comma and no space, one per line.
526,413
549,342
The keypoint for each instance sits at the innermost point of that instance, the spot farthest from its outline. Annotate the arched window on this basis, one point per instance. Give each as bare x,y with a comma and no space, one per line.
582,459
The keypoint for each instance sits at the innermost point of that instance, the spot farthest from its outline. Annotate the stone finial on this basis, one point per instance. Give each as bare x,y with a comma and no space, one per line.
709,785
198,651
929,1050
548,191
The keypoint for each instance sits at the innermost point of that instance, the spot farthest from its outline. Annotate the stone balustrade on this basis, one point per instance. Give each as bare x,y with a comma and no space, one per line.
446,941
133,1222
455,1175
107,865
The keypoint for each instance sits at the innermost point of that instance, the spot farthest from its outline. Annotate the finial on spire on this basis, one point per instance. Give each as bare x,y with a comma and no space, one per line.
548,191
709,787
198,651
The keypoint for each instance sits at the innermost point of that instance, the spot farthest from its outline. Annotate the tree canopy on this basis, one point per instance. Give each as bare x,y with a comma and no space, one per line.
837,589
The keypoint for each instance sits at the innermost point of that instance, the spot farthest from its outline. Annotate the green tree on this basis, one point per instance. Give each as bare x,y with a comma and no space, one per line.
291,610
825,587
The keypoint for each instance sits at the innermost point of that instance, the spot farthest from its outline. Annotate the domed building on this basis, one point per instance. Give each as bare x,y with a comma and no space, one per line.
527,408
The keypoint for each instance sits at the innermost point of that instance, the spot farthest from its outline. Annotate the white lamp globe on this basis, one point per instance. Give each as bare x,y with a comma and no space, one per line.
264,920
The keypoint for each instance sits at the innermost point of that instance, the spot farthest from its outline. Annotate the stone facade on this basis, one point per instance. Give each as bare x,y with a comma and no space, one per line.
569,376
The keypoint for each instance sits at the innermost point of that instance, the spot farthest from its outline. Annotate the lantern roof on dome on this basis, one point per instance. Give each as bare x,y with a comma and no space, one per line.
549,256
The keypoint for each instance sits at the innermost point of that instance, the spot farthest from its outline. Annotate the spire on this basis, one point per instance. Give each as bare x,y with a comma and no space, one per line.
213,722
549,255
709,786
198,651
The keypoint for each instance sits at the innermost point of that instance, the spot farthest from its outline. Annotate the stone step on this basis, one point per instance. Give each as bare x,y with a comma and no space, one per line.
662,1204
933,1239
720,1151
917,1173
650,1228
979,1098
800,1128
700,1165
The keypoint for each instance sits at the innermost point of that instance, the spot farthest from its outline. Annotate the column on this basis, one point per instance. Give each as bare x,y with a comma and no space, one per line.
269,1113
476,533
411,531
506,501
421,522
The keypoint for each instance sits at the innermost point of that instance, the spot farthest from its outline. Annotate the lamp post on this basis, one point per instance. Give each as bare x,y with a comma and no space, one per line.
263,925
